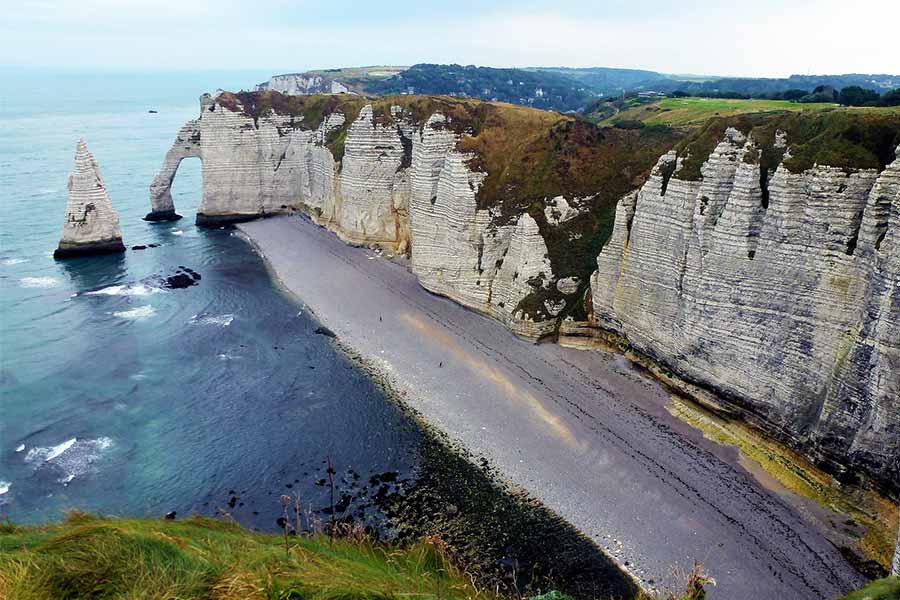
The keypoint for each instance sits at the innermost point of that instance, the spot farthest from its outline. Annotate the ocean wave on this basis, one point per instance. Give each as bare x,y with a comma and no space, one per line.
14,261
131,289
38,282
220,320
70,459
20,447
4,486
48,453
141,312
177,232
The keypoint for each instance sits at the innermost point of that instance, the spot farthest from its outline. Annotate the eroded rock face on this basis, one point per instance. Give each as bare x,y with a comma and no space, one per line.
398,184
91,224
896,568
786,304
458,250
302,84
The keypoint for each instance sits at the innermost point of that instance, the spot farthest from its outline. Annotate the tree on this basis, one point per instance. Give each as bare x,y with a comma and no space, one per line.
891,98
857,96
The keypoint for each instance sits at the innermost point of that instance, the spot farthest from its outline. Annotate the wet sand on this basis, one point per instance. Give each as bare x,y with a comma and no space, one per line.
584,432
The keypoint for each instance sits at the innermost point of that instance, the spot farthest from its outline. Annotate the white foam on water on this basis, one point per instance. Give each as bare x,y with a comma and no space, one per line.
177,232
42,454
4,486
20,447
229,357
132,289
141,312
73,458
14,261
39,282
220,320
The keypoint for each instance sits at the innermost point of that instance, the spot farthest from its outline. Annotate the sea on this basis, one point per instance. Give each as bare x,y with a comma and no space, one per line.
121,396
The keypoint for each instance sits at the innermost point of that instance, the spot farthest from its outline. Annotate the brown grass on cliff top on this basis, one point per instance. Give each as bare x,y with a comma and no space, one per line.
844,138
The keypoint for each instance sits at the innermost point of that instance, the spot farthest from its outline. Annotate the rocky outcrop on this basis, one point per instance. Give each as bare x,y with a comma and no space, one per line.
778,292
895,571
303,84
91,225
187,144
460,251
381,179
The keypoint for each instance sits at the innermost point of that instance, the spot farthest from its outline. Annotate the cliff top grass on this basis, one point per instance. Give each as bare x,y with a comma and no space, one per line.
680,112
86,557
844,138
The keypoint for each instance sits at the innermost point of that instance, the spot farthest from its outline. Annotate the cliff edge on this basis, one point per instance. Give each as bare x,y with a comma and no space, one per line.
770,282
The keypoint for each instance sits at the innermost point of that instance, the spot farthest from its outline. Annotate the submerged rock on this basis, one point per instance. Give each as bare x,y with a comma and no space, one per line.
91,225
182,278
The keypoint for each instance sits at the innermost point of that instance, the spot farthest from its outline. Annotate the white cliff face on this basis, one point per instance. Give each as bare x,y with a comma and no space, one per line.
187,144
788,309
457,250
895,571
398,185
300,84
374,186
91,224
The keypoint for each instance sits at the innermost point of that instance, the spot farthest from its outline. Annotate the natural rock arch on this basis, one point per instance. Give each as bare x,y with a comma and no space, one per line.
187,144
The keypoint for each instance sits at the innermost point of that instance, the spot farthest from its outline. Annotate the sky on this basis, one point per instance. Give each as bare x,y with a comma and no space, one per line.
761,38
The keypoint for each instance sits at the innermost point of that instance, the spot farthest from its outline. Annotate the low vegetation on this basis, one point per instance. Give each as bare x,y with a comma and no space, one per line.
882,589
848,138
88,557
692,112
92,558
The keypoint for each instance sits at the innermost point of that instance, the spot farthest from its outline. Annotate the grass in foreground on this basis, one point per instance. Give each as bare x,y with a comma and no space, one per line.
88,557
883,589
200,558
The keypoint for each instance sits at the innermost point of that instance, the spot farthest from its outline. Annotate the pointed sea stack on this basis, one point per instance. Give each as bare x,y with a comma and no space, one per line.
92,225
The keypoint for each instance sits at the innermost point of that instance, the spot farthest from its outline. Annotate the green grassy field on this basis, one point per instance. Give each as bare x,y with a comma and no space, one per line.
694,111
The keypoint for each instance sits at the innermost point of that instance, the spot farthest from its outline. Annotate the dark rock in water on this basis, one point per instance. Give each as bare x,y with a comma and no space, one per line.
139,247
325,331
182,278
232,502
162,216
170,516
152,112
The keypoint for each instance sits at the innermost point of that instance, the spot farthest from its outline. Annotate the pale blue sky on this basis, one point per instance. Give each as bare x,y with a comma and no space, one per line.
755,37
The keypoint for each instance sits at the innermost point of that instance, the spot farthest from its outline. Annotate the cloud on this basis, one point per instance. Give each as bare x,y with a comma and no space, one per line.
764,38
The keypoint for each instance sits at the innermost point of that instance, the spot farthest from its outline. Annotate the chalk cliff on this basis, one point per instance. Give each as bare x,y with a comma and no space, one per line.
303,84
91,224
776,287
414,174
895,571
758,261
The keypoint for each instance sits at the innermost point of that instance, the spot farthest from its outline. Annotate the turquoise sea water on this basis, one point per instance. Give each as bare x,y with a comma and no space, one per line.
121,397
